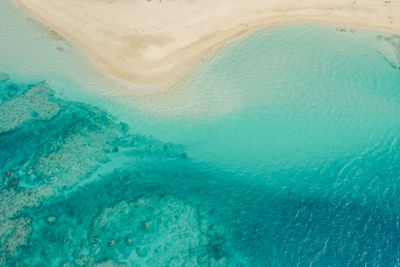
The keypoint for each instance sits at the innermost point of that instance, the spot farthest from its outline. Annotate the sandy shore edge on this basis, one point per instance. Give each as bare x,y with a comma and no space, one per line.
183,59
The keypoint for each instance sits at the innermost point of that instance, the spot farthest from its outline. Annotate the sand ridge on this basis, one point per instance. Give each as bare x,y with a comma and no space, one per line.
158,42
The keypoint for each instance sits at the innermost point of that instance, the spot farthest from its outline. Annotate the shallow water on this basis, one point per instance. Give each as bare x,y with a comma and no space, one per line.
282,150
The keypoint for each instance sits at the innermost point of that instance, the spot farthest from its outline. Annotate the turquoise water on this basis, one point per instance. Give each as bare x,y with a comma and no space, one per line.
283,150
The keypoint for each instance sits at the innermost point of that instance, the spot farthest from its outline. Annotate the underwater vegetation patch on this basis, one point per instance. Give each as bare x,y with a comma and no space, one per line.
390,49
72,194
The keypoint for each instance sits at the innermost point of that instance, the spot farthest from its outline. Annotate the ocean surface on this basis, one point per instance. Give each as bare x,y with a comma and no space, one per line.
282,150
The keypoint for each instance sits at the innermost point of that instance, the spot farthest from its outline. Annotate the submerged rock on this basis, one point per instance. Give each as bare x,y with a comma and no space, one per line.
51,219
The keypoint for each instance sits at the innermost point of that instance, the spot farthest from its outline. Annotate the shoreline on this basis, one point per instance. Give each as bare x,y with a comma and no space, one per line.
175,64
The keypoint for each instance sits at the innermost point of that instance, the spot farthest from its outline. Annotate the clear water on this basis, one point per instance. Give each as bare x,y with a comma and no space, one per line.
283,150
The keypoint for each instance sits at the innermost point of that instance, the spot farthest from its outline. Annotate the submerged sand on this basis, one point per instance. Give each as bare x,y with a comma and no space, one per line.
157,42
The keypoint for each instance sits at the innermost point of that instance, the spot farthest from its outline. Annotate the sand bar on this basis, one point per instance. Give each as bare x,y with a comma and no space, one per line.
158,42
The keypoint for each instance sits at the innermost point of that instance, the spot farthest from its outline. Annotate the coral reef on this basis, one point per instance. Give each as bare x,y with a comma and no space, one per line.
34,104
153,230
14,231
64,203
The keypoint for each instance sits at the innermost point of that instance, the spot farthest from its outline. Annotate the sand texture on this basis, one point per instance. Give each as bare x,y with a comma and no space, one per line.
157,42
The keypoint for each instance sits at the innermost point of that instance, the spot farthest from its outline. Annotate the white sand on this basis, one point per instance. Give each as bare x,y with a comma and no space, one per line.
158,42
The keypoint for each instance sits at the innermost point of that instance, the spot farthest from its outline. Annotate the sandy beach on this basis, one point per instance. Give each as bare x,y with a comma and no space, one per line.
158,42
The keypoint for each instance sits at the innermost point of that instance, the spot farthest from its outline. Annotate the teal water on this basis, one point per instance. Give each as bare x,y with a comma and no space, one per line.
283,150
